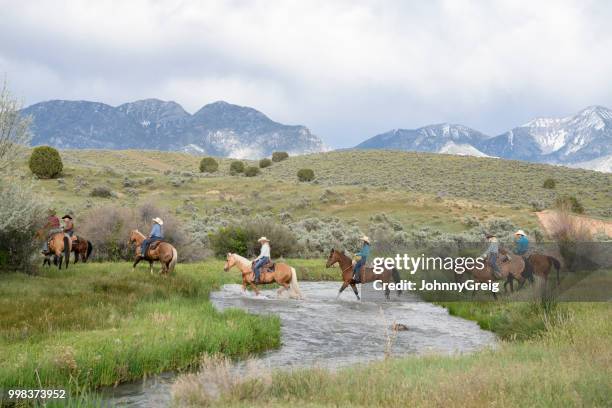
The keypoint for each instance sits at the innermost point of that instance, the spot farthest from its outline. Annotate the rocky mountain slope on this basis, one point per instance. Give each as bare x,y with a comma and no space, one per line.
219,128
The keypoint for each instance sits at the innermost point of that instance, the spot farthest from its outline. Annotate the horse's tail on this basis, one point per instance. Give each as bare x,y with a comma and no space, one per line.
557,265
295,287
89,249
396,279
67,250
172,263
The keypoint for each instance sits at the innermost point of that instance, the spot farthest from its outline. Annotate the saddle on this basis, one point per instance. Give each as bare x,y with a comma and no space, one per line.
154,244
269,267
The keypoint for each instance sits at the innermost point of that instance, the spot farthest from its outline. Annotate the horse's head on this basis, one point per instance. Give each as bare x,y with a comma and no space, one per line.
133,236
230,261
333,258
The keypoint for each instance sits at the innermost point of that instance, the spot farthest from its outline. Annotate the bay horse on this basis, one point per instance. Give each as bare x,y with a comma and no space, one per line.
82,249
281,273
509,270
160,251
541,265
367,273
60,247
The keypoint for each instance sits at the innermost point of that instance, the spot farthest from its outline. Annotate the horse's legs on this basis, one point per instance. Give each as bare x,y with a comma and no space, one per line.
151,267
254,288
60,260
355,290
509,280
138,259
344,285
387,293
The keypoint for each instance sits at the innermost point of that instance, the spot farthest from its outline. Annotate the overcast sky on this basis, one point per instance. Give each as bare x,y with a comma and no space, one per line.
346,69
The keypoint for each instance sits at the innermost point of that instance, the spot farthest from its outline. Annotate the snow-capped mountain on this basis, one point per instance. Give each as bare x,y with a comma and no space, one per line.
438,138
582,140
581,137
220,128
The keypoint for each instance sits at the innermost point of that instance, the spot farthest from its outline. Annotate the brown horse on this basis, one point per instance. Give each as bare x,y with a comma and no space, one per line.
82,249
281,273
367,273
509,270
60,247
159,251
541,265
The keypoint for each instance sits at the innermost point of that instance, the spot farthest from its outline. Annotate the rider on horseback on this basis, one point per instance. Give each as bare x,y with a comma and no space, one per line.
363,257
52,227
521,247
491,254
263,258
68,225
157,234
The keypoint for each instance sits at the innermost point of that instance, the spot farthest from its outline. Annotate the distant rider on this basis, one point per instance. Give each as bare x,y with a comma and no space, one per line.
263,258
68,225
52,227
362,258
491,254
157,234
521,247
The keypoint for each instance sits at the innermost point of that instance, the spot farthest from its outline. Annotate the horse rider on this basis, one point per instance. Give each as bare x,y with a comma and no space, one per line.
263,258
52,227
68,226
362,257
157,234
521,247
491,254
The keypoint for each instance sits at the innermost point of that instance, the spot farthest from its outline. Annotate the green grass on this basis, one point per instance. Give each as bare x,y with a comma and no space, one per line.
101,324
566,362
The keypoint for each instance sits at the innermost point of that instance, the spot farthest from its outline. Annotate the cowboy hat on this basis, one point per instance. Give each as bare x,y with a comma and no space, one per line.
365,238
520,232
158,220
66,216
262,239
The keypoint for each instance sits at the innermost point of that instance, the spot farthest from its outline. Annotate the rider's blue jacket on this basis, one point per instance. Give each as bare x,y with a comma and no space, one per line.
365,251
522,245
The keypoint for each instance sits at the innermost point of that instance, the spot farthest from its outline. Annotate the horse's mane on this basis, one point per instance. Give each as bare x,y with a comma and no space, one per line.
241,259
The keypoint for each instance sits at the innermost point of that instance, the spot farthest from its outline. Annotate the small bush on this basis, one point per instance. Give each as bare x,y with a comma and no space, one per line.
570,202
242,239
233,239
236,167
549,183
46,162
305,175
208,165
251,171
263,163
102,192
279,156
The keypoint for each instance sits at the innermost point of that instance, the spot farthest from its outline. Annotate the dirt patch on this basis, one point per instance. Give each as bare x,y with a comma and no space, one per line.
594,226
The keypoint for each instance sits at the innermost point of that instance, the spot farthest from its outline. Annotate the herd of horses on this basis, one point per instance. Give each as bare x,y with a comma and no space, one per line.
514,268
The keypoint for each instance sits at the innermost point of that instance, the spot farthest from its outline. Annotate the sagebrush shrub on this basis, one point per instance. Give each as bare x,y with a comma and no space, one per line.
305,175
279,156
549,183
101,192
263,163
208,165
569,202
45,162
251,171
22,215
236,167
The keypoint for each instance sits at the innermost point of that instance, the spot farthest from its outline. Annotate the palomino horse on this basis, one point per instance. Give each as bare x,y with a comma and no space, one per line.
509,270
367,273
60,247
82,249
163,252
282,274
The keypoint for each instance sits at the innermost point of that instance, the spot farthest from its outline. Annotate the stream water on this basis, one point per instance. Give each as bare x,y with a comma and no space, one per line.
323,331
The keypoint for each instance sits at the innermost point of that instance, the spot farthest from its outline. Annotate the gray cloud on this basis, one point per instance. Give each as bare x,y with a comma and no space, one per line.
347,69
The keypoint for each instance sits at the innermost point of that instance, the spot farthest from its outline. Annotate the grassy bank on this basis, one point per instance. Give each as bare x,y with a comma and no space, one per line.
564,360
101,324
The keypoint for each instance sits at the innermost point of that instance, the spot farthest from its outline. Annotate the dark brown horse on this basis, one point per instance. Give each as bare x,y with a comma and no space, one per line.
163,252
60,247
541,265
82,249
367,273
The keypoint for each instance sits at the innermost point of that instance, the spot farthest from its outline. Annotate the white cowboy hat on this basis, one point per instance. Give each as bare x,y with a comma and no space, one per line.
365,238
263,239
520,232
158,220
